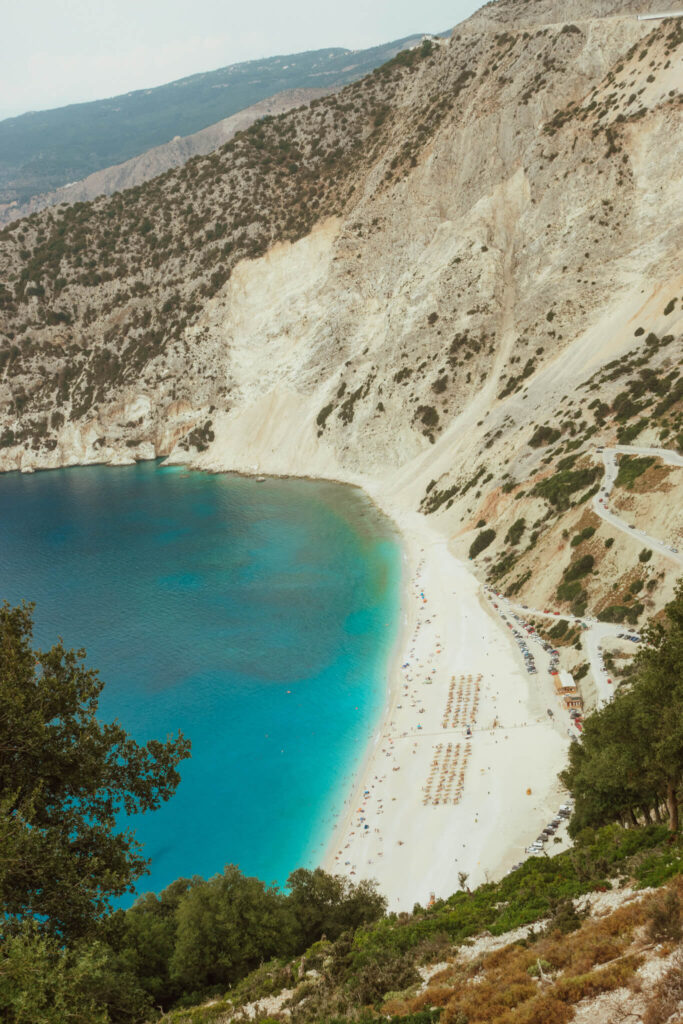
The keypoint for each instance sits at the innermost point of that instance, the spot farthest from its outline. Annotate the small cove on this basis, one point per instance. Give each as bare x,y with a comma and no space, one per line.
257,618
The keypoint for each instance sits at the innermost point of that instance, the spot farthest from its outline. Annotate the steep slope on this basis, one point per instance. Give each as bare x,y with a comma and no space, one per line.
538,953
161,158
455,278
42,150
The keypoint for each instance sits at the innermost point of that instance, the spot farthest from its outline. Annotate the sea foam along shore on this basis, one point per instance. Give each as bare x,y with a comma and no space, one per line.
430,802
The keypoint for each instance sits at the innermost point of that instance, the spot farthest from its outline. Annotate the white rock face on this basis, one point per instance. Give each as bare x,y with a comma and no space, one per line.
419,337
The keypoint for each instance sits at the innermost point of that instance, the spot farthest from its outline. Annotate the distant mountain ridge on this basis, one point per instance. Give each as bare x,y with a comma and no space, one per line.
44,150
161,158
457,278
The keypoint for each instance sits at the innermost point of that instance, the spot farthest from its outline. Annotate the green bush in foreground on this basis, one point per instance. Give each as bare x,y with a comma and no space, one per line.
64,778
199,937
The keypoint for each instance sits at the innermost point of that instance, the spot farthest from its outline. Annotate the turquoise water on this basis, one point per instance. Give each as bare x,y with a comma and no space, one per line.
257,618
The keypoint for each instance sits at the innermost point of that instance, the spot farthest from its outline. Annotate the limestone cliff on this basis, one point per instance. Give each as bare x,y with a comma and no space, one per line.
405,282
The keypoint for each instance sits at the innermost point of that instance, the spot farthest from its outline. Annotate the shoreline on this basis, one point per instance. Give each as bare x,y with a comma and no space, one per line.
419,846
446,634
392,671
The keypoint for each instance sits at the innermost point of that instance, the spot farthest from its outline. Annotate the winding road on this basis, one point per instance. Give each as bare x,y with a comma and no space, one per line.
594,632
609,457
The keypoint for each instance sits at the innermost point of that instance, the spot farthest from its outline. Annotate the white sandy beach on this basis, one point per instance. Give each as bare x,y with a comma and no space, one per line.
410,847
430,801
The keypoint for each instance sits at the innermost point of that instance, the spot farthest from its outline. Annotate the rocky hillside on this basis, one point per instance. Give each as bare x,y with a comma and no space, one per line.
43,150
161,158
452,281
526,950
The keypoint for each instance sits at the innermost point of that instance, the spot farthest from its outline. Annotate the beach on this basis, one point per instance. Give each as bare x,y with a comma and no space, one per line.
462,773
389,827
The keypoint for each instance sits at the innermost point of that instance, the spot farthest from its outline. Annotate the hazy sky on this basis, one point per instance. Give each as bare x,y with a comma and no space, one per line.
56,52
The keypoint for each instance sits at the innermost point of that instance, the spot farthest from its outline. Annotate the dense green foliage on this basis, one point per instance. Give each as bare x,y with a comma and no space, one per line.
43,150
583,535
514,534
236,935
631,759
559,488
481,542
356,972
64,776
200,936
197,938
630,468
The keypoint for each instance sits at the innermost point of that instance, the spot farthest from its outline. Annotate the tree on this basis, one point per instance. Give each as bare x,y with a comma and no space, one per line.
226,927
631,752
145,935
607,770
64,777
659,685
42,981
331,904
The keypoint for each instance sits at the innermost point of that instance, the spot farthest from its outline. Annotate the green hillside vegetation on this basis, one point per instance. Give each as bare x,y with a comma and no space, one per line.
42,150
233,939
630,762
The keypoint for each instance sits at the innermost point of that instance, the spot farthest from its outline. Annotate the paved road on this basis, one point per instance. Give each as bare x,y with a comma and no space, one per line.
595,633
609,457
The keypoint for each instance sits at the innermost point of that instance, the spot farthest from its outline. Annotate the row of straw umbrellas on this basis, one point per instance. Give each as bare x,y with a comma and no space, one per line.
462,703
446,777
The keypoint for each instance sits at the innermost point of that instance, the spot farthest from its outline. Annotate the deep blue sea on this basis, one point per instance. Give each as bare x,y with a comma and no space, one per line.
257,618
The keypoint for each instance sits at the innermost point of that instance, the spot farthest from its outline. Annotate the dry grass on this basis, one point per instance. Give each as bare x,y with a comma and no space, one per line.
507,987
666,1000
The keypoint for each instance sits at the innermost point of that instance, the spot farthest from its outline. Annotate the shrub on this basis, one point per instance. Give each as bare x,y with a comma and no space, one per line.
667,994
626,434
481,542
384,973
543,436
630,468
557,489
621,613
579,568
565,918
428,415
569,591
665,918
323,414
514,534
645,555
579,538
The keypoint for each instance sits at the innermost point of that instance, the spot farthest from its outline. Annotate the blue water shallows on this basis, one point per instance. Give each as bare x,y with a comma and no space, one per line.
256,618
